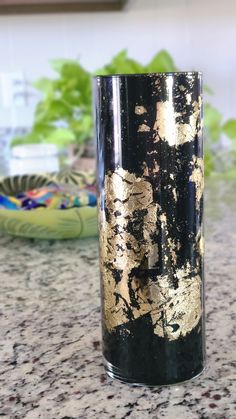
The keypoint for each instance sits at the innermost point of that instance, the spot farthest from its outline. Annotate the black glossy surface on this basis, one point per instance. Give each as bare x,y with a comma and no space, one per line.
133,348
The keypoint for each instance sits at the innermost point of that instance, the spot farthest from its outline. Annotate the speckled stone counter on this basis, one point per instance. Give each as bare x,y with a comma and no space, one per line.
50,355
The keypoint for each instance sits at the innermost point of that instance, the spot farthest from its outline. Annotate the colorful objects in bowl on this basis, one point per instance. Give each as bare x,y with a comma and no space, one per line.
51,206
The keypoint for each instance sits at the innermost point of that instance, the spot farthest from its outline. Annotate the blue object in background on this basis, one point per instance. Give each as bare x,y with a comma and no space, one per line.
6,203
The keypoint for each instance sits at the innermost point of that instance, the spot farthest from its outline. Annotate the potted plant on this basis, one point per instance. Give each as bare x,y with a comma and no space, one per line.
64,114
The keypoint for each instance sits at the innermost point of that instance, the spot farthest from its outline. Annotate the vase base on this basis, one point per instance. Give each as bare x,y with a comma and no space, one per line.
116,374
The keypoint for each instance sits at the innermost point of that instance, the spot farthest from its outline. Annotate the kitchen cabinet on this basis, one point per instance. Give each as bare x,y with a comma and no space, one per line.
59,6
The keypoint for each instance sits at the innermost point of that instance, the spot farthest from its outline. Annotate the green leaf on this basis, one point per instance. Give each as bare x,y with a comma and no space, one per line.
229,128
208,90
18,140
31,138
57,64
118,63
208,163
39,133
61,137
82,128
53,110
212,121
121,64
41,128
74,70
45,85
161,62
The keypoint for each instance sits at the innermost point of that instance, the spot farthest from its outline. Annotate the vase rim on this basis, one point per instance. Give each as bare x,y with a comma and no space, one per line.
161,74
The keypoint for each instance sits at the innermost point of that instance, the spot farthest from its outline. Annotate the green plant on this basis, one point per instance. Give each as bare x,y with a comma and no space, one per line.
218,158
122,64
64,115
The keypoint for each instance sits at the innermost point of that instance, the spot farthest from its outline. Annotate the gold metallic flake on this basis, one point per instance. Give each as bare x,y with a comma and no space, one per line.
174,194
162,218
177,133
143,128
145,169
165,122
188,98
177,311
172,247
197,177
156,167
140,110
174,311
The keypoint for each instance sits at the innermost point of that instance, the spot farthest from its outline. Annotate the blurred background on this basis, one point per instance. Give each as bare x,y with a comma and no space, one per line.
50,49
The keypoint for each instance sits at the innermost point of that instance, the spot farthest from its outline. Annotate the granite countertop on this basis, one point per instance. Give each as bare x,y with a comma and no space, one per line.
50,351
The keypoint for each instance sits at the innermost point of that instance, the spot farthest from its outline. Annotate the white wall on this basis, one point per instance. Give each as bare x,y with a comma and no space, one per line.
199,34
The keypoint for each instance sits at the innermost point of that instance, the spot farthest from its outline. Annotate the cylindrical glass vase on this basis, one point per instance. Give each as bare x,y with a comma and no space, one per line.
150,202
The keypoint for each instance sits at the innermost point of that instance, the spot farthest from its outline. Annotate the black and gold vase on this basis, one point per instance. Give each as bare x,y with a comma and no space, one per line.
150,181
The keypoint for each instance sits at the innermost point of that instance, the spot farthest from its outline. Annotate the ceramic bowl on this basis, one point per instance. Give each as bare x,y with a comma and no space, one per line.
48,223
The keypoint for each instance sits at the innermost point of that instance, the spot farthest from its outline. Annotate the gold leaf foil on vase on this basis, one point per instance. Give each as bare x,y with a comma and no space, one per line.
174,311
